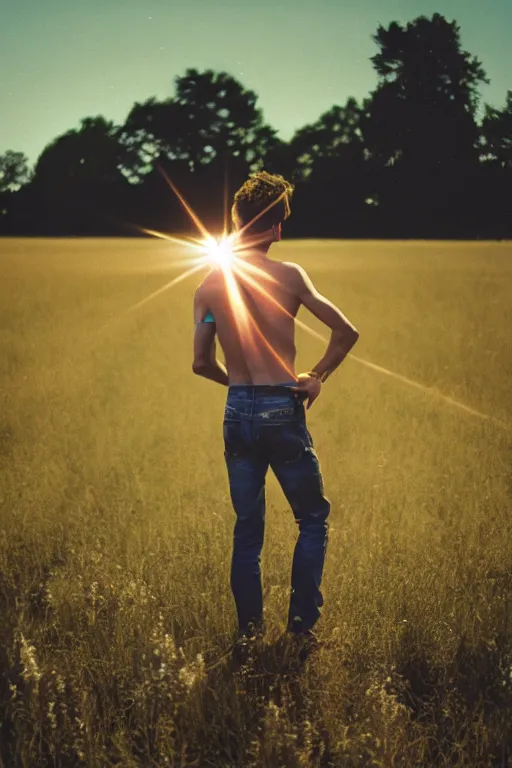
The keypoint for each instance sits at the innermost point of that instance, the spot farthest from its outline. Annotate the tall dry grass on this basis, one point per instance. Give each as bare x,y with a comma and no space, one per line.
116,523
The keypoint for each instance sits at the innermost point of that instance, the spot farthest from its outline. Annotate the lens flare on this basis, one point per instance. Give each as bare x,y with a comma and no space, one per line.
219,252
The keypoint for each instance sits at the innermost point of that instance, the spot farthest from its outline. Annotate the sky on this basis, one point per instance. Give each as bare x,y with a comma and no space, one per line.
62,60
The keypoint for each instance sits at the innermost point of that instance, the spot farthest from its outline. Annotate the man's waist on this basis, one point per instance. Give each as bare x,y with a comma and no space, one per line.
263,401
260,389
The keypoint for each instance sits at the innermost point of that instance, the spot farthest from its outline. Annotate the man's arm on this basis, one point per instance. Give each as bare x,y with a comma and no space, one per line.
205,362
343,333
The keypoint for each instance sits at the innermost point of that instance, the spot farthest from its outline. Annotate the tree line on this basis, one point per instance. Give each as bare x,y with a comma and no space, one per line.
410,160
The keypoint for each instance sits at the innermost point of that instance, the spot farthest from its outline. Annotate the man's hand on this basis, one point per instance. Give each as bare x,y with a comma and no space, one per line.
308,385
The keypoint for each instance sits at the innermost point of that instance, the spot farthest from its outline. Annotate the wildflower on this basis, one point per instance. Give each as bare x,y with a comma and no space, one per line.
61,688
191,673
51,715
28,658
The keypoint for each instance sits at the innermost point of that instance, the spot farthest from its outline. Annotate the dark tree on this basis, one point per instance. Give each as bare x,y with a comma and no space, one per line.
210,117
497,134
330,170
78,179
14,174
424,106
14,171
208,138
88,155
496,162
420,125
336,134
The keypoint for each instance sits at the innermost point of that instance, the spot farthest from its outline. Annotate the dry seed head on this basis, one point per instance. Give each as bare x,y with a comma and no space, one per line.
28,658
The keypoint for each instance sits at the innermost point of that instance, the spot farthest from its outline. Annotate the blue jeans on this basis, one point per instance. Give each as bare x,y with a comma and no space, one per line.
266,425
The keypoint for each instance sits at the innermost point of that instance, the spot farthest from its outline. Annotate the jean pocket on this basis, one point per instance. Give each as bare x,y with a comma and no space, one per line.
231,412
234,444
285,442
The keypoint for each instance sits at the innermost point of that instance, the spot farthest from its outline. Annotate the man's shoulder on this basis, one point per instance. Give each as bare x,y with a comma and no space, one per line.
291,266
294,270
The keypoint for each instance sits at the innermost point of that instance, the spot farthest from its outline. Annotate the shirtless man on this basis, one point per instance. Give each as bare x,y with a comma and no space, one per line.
264,418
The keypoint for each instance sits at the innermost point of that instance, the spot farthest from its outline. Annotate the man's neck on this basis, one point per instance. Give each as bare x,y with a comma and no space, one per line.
255,256
252,250
254,253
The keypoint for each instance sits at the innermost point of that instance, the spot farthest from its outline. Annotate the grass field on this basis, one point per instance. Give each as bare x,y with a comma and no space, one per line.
116,522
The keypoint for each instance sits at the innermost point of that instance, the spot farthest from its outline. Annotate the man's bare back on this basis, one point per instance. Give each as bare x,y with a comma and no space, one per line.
259,343
256,335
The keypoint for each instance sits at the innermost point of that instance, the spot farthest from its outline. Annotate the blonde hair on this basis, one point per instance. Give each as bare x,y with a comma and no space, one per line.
259,191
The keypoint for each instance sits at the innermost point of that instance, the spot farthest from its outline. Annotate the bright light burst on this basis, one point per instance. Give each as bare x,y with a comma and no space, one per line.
219,253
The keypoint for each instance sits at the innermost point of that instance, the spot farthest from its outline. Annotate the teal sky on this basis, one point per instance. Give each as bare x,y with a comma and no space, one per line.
61,60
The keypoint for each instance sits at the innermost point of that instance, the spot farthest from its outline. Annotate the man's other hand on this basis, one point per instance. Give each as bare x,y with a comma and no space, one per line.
309,386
